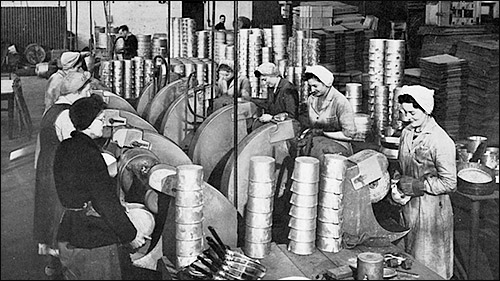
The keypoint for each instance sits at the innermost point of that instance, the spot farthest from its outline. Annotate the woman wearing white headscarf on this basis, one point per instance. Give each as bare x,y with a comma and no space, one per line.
428,174
329,112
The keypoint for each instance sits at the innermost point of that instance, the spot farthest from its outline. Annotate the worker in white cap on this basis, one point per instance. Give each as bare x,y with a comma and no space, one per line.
224,90
330,115
55,126
427,176
282,101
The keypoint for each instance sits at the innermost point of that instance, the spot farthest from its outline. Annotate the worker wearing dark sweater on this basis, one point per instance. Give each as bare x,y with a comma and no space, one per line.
94,224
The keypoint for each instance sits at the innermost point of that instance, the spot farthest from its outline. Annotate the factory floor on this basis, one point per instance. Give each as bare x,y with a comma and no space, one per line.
19,252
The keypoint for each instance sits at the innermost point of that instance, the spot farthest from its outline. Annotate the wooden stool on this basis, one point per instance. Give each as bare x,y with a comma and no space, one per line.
12,92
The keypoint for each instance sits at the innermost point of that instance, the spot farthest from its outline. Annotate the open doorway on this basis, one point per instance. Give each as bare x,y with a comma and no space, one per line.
194,10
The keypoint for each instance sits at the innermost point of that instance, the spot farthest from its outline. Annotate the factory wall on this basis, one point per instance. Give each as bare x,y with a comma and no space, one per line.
142,17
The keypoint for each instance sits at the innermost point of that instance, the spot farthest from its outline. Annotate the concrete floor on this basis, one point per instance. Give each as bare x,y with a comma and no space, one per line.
21,262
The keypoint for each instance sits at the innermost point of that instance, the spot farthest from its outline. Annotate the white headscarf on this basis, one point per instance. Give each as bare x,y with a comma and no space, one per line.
422,95
323,74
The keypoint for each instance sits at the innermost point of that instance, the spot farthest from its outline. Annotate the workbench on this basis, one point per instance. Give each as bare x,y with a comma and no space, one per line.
281,263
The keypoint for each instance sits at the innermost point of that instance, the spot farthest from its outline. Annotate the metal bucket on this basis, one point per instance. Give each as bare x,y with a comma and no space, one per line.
303,224
329,230
261,189
256,250
301,248
187,232
330,200
370,266
303,212
188,215
329,215
304,200
299,235
189,198
334,166
260,205
189,177
330,185
258,220
306,169
261,169
328,244
304,188
258,235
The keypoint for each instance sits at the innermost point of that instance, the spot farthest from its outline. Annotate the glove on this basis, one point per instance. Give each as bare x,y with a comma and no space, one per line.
265,118
411,186
139,241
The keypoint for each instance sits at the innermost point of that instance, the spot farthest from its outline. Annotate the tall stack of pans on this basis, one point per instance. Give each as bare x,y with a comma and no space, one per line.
118,77
267,45
254,59
201,71
268,37
267,55
354,94
144,45
202,47
397,117
394,68
280,42
148,71
221,53
243,36
208,75
176,37
329,232
376,64
381,109
159,46
229,37
128,79
259,210
188,37
311,52
189,214
189,66
138,64
220,39
107,73
299,47
304,201
229,52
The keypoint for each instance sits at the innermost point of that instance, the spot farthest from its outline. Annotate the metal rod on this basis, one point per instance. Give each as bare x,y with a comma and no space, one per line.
76,24
235,101
169,40
212,55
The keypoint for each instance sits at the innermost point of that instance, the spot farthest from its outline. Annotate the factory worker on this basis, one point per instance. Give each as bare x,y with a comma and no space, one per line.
328,111
224,90
55,127
126,44
283,98
426,177
94,227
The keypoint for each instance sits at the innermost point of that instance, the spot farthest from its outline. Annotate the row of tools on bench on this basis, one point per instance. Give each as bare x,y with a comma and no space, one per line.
219,262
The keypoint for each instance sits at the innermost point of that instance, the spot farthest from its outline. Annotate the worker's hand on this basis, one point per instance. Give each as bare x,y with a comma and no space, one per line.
411,186
265,118
139,241
280,116
398,196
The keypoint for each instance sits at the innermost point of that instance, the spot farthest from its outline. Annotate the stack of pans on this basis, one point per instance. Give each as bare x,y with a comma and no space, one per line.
221,53
394,68
208,74
268,37
299,47
202,50
189,66
279,42
107,73
380,110
230,37
243,47
128,80
303,210
138,63
159,46
376,64
354,94
311,51
267,55
201,71
259,210
189,214
176,37
333,170
118,77
220,39
144,46
397,117
297,78
148,71
188,37
363,124
254,59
